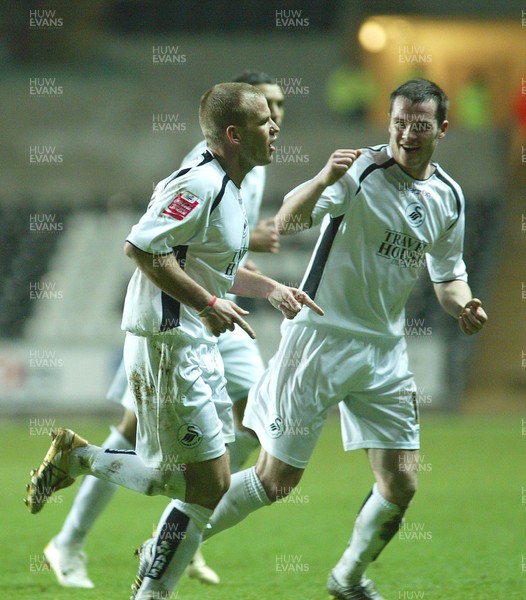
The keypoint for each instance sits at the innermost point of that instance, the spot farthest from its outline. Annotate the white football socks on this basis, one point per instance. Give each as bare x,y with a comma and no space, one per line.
126,469
177,539
245,495
91,499
239,450
376,523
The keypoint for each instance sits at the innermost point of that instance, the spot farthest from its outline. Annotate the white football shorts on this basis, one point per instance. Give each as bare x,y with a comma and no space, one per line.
242,363
242,360
315,369
184,414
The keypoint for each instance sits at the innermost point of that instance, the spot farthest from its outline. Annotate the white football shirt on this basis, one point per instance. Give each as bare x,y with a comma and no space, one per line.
197,214
252,188
380,226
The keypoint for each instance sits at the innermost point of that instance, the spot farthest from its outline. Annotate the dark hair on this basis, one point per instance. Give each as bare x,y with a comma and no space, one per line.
253,77
223,105
422,90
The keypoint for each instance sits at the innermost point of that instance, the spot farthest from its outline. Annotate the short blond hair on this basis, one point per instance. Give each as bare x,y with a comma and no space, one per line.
223,105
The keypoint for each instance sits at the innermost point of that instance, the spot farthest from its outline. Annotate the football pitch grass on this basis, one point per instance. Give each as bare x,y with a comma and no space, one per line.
463,537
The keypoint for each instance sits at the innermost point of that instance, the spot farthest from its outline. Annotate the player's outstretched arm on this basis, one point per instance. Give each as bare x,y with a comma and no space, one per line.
286,299
295,213
456,299
164,271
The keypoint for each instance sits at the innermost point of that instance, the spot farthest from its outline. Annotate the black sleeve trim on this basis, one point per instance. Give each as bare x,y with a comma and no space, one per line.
375,149
455,193
207,157
150,253
171,308
449,280
371,168
313,279
219,196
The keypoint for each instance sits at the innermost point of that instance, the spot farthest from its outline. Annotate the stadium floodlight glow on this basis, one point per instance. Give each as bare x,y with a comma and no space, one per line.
372,36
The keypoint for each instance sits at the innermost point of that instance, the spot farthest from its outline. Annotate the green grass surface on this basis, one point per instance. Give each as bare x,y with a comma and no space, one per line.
464,535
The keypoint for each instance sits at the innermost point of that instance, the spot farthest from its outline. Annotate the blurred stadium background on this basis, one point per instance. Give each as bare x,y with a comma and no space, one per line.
99,101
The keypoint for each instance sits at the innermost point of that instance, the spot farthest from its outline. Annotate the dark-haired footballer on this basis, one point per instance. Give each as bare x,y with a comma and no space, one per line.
385,212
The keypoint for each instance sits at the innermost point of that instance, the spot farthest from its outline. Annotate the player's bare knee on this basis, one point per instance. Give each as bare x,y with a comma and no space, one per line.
405,494
279,486
211,496
222,487
278,478
207,493
400,490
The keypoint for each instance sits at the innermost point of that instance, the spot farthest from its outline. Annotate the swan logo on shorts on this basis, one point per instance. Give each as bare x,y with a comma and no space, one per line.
276,426
189,435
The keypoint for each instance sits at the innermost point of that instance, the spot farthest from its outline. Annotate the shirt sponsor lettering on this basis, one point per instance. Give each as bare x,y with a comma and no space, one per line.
402,249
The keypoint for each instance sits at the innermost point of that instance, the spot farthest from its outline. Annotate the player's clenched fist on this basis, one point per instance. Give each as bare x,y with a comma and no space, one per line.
223,315
472,318
337,165
264,237
291,300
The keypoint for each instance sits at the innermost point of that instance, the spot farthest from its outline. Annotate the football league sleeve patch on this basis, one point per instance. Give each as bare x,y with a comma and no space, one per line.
181,205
